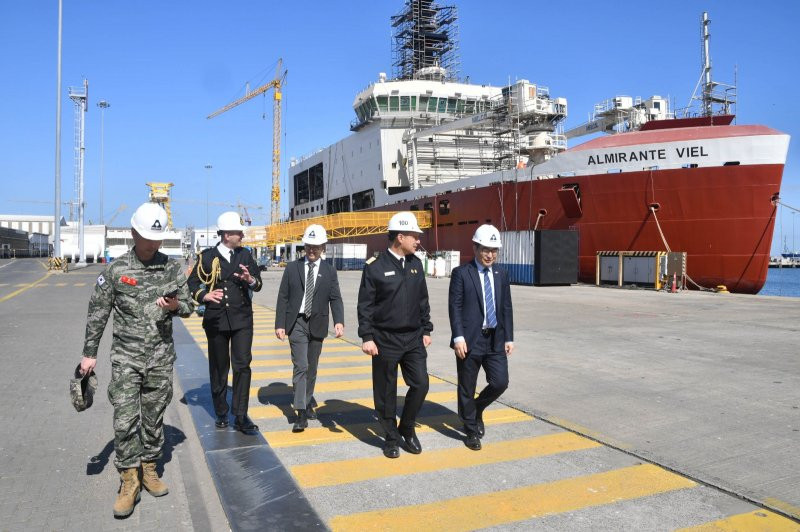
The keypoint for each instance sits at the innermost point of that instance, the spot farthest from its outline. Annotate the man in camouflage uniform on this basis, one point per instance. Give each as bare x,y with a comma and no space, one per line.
144,290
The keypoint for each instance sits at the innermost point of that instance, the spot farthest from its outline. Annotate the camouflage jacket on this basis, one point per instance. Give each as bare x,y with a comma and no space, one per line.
130,289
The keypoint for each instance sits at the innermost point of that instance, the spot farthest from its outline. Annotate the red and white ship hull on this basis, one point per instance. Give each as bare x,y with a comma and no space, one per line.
714,189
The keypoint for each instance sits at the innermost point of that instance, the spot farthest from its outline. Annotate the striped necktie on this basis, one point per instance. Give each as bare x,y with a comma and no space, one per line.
309,289
491,316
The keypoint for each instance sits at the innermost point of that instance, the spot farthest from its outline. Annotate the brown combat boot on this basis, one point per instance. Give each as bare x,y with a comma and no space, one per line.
151,482
128,492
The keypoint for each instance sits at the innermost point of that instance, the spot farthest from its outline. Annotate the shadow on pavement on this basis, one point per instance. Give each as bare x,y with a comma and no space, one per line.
200,396
172,438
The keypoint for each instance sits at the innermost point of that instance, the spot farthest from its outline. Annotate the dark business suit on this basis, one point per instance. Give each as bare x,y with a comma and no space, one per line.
307,331
486,346
228,325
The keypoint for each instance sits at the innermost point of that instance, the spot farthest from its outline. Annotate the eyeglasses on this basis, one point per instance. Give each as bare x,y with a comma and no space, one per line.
489,251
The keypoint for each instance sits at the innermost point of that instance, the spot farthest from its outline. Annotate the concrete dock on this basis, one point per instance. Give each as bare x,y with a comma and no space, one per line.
627,410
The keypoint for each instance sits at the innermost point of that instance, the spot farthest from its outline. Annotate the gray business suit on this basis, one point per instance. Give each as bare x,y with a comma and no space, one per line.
307,331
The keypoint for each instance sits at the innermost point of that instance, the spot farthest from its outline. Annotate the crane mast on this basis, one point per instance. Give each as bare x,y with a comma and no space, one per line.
276,83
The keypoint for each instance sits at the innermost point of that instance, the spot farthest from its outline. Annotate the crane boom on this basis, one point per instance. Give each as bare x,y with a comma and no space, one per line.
252,94
276,83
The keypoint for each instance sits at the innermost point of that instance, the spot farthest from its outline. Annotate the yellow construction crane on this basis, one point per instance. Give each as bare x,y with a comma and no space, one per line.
277,83
159,193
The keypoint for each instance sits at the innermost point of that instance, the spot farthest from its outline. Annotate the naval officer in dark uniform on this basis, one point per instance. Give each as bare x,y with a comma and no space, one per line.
222,279
395,327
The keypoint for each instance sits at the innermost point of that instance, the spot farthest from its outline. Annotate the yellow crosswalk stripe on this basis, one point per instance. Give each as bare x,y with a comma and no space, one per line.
759,520
329,386
284,361
79,284
359,469
528,502
344,432
284,354
325,349
287,373
336,406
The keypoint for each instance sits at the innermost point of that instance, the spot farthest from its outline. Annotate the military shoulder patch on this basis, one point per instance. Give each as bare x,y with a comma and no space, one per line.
101,281
370,260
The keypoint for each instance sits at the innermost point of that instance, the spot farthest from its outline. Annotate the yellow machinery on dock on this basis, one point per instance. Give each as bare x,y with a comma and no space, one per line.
642,268
341,225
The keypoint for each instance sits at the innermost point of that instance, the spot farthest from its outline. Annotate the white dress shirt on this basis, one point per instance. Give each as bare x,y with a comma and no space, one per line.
305,276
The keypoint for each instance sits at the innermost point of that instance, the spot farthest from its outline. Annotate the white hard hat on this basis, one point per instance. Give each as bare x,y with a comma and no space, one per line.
150,221
230,221
487,236
315,235
405,222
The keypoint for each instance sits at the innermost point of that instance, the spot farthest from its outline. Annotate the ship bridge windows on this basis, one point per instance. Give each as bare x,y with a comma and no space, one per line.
423,102
442,105
383,103
432,104
451,105
405,103
363,200
394,103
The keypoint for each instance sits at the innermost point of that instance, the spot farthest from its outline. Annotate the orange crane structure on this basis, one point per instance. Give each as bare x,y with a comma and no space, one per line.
277,84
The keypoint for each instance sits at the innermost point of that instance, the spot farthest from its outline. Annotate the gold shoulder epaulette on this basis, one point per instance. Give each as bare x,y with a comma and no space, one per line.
370,260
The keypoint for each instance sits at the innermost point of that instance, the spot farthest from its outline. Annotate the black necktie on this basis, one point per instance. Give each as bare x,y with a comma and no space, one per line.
402,263
230,256
309,289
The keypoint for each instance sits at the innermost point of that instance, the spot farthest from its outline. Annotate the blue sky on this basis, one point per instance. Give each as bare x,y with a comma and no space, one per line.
165,65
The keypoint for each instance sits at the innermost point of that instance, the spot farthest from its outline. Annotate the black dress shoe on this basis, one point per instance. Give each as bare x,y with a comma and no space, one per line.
222,421
473,442
301,422
310,413
245,425
411,444
390,450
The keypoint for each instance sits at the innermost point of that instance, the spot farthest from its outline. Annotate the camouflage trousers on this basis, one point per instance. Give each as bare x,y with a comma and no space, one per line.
140,395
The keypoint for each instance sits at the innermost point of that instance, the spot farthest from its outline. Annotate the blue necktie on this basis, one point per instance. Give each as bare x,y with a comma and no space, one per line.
491,317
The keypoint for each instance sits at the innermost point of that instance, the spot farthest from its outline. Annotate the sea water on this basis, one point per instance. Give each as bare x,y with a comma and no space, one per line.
782,282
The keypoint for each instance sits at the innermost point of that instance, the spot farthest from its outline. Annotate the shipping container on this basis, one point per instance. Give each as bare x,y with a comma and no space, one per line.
516,256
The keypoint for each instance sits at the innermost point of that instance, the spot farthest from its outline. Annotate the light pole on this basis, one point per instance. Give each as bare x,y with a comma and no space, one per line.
208,168
57,214
794,249
103,105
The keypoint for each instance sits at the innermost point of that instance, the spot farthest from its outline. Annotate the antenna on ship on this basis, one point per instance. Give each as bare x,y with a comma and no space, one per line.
713,91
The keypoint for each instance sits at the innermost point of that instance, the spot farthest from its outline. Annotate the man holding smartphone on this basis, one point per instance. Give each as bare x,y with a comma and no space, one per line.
144,290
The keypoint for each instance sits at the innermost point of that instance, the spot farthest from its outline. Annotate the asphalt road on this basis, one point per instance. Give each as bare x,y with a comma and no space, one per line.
703,385
56,465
